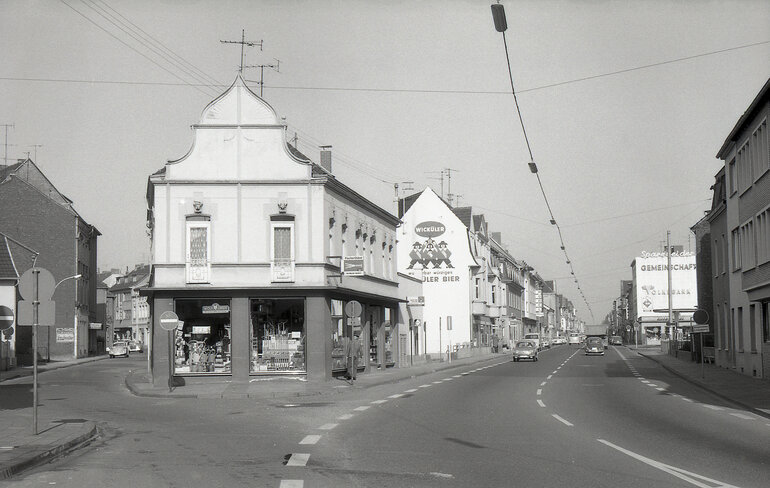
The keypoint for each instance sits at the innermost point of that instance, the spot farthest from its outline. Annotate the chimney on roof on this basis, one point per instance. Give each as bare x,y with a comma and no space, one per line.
326,158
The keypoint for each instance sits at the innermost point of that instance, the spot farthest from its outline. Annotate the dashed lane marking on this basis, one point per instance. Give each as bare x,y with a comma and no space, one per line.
549,377
652,385
328,426
742,416
347,416
540,402
713,407
378,402
660,389
687,399
361,409
292,484
310,439
645,381
543,383
539,391
410,390
298,459
437,382
397,395
424,386
565,422
456,376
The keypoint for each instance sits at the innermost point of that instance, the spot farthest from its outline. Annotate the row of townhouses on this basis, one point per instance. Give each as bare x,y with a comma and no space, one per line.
269,264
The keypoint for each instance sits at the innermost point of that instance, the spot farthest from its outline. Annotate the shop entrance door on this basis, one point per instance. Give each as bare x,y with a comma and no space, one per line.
374,315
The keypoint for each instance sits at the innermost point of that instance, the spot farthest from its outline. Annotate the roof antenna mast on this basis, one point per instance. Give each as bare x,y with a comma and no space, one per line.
243,42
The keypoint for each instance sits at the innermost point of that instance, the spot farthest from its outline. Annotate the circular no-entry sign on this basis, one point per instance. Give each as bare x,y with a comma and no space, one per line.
169,320
6,317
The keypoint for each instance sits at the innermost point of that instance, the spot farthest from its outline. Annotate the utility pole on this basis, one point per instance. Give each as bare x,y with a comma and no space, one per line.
243,42
668,262
5,156
275,67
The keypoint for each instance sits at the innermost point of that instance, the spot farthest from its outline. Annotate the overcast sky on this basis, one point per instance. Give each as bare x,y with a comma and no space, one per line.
402,90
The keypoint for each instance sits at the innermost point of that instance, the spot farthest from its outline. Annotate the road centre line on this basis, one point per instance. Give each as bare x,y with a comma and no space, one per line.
540,402
310,439
660,389
437,382
347,416
412,390
549,377
569,424
378,402
361,409
645,381
539,391
456,376
424,386
543,383
397,395
298,459
680,473
652,384
328,426
712,407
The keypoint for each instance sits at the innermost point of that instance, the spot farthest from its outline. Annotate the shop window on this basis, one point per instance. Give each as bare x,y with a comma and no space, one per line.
203,343
278,335
338,336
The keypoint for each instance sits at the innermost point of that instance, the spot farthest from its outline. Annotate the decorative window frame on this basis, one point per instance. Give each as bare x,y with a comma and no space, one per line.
282,269
197,273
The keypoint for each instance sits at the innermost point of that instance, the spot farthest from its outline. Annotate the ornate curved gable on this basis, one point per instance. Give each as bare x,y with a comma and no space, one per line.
239,138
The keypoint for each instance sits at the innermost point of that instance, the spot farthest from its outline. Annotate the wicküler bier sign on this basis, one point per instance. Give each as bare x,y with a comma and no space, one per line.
430,256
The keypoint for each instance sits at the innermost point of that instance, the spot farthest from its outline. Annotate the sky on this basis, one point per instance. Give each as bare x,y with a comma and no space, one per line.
625,105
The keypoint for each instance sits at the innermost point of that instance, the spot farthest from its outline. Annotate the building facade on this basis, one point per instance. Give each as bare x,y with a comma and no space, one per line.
746,156
38,216
131,310
260,252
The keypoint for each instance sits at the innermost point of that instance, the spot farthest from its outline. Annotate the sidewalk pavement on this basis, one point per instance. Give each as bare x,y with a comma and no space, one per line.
747,392
20,449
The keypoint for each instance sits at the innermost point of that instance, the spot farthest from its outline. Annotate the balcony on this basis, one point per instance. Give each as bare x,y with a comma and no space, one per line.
282,270
493,311
478,308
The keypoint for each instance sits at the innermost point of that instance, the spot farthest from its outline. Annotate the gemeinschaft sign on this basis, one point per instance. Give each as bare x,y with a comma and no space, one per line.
664,267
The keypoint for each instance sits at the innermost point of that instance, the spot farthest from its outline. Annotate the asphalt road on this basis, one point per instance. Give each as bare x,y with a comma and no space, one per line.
566,420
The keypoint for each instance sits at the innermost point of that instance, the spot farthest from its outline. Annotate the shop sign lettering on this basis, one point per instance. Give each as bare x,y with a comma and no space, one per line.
64,334
430,228
215,308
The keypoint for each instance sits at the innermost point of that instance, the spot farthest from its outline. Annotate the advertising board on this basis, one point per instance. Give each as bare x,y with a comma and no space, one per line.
651,276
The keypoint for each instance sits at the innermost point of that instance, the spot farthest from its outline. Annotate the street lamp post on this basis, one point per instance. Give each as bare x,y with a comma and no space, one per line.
75,320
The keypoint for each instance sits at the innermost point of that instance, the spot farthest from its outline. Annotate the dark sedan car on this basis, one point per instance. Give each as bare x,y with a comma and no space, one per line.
594,345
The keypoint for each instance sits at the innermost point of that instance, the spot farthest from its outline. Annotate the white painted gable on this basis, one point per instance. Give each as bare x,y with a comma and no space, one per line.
239,137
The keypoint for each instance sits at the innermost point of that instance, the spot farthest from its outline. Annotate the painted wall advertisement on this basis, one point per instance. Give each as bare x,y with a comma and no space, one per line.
651,270
431,254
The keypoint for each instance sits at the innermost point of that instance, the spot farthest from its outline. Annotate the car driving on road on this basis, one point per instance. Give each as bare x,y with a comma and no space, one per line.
525,350
616,341
135,346
594,345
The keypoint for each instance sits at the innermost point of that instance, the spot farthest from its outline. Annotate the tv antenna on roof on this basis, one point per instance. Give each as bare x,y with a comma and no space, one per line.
275,67
243,42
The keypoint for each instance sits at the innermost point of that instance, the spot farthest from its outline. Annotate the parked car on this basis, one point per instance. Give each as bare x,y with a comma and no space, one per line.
574,338
616,341
533,337
545,343
118,349
135,346
525,350
594,345
559,340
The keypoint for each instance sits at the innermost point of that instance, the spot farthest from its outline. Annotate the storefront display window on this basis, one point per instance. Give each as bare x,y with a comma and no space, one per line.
202,344
278,335
388,337
338,336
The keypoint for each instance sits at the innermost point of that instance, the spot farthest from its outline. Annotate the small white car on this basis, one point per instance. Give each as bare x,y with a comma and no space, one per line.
559,340
118,349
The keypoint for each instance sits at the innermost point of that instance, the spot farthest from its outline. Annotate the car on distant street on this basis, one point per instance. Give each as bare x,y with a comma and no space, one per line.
135,346
616,341
594,345
574,338
534,337
525,350
545,343
559,340
118,349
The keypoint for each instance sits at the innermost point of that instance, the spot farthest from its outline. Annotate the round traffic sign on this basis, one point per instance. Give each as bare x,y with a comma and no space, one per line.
700,316
169,320
353,308
6,317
